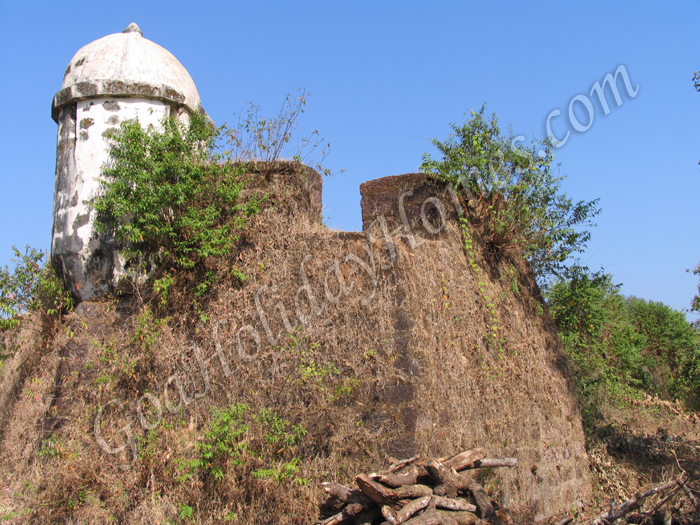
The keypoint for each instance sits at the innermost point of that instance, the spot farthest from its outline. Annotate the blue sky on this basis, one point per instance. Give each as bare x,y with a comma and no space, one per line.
385,78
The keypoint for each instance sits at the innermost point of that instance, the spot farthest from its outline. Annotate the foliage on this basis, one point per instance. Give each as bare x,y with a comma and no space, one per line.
235,434
623,347
223,440
671,343
32,286
148,329
185,512
515,191
168,194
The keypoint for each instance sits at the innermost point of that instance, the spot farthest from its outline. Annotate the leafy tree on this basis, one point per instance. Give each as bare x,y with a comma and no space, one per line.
516,191
671,343
623,347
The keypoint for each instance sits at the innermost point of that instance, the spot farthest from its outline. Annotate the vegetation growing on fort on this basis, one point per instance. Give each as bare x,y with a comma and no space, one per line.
515,191
622,347
168,195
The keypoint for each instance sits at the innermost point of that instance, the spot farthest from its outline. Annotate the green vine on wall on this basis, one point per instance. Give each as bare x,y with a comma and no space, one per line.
491,337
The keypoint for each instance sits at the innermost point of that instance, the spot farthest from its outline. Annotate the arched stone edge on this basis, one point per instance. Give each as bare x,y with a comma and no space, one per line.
120,88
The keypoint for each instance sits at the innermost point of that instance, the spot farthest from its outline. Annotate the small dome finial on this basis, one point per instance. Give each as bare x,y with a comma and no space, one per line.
133,28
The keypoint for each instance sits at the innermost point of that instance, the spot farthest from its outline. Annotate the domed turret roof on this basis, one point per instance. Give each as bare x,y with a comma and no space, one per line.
126,64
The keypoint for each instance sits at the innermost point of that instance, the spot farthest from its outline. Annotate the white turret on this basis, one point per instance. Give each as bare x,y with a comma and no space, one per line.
116,78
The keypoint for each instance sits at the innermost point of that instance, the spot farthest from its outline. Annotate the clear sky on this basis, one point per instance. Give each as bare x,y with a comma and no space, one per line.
387,76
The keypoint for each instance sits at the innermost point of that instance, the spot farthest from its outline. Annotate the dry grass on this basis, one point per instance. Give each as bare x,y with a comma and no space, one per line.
400,363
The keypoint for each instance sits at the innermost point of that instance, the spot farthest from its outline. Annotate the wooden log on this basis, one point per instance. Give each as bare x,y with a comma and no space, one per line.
493,462
447,519
419,504
345,494
389,514
413,507
453,504
340,495
413,491
352,501
448,482
336,490
461,460
400,464
349,513
462,518
396,480
431,518
380,494
336,519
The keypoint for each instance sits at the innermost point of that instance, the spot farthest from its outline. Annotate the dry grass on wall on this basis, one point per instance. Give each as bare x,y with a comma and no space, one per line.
398,364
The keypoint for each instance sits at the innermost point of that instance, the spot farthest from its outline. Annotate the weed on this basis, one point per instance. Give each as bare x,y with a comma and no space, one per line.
148,329
51,448
185,512
283,472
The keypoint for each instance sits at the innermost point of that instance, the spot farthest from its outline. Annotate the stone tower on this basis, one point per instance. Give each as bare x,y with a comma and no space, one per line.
119,77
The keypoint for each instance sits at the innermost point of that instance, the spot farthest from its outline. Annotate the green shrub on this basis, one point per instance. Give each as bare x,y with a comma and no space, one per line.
672,344
31,286
236,434
623,347
515,191
169,196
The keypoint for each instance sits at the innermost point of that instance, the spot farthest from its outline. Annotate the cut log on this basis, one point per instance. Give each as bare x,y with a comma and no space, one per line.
463,459
410,509
462,518
483,502
413,491
447,482
402,500
493,462
431,518
453,504
343,516
338,491
396,480
389,515
339,496
400,464
344,494
380,494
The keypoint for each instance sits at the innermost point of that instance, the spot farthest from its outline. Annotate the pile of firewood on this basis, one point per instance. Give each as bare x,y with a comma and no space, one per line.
415,492
437,492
